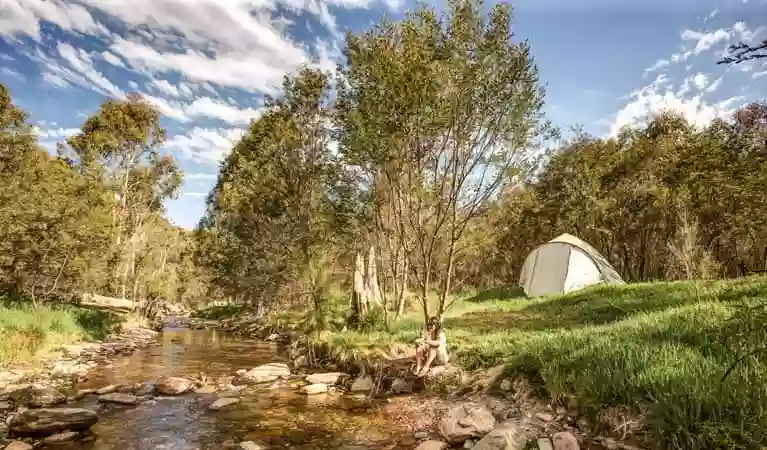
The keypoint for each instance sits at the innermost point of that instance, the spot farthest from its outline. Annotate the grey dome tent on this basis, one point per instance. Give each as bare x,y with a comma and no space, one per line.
565,264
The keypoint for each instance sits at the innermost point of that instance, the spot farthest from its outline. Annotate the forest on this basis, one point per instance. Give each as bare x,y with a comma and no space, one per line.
423,166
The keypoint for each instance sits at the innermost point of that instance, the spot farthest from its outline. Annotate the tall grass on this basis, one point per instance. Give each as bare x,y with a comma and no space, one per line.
27,333
659,348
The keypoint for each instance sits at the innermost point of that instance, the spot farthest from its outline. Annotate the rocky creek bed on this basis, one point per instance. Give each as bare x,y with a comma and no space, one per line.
207,390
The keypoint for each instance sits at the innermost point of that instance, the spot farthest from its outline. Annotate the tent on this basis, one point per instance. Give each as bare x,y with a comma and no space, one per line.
565,264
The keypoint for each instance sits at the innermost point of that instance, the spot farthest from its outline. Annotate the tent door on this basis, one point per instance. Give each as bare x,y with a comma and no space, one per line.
550,270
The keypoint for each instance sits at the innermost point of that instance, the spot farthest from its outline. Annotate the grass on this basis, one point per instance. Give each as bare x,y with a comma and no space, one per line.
28,333
658,348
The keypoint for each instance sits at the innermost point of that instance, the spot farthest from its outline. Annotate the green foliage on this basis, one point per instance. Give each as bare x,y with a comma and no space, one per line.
217,312
661,348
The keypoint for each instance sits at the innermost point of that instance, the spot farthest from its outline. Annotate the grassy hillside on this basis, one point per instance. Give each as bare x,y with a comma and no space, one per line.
659,348
26,333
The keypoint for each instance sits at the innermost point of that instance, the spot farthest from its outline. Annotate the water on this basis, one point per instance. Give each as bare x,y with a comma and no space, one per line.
279,417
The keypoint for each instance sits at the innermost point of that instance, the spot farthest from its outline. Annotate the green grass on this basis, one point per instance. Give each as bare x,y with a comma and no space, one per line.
660,348
27,333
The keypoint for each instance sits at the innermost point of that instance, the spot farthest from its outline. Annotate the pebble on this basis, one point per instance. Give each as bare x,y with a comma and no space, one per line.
61,437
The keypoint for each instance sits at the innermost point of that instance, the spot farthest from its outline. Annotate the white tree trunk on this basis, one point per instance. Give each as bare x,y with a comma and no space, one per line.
373,289
360,297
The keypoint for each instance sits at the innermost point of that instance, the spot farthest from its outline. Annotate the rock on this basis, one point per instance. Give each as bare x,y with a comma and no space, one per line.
5,406
507,436
421,435
61,437
545,417
325,378
565,441
400,386
120,399
250,445
223,402
544,444
363,384
466,421
506,385
468,444
174,385
208,389
18,445
108,389
38,397
82,393
432,445
144,389
263,374
36,422
312,389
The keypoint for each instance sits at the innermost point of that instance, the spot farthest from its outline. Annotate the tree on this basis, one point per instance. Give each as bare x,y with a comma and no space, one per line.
439,112
742,52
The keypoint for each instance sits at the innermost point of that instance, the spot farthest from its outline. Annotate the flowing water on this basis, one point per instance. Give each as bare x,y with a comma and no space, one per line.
276,415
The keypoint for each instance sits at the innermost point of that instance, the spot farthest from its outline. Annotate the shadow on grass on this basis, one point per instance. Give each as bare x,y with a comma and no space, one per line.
501,293
97,324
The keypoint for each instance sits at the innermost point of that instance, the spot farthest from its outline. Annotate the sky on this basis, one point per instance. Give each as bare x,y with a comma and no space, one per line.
207,64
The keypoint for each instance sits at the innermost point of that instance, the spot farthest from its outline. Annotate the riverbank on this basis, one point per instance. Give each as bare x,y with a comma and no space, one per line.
642,363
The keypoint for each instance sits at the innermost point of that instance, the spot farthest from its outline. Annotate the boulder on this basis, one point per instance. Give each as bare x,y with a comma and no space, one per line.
120,399
173,385
466,421
144,389
108,389
38,397
565,441
44,422
82,393
312,389
223,402
18,445
61,437
329,378
507,436
363,384
207,389
432,445
401,386
263,374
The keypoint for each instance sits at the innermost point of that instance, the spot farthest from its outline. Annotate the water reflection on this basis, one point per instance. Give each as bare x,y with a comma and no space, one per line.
279,417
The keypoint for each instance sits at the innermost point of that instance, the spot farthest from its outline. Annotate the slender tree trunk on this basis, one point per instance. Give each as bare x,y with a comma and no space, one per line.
371,279
402,289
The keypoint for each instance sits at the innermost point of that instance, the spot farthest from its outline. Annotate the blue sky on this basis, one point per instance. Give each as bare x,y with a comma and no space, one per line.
206,64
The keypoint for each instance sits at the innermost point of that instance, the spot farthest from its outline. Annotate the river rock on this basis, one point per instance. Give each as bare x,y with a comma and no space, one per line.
207,389
545,444
466,421
565,441
18,445
432,445
401,386
36,422
312,389
119,398
263,374
174,385
363,384
223,402
507,436
329,378
61,437
250,445
38,397
144,389
82,393
108,389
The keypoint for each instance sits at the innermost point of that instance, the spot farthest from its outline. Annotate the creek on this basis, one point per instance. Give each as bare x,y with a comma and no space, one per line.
274,414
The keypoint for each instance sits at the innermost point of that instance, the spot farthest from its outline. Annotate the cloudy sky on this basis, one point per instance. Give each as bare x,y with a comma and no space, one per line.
206,64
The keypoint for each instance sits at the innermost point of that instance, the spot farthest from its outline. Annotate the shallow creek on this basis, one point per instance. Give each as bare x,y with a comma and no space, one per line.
275,414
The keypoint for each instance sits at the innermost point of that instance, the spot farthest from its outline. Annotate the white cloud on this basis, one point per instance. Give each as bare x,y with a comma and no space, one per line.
165,87
74,67
756,75
57,133
704,41
10,73
22,18
195,194
112,59
200,176
700,80
206,145
203,107
660,95
133,84
659,64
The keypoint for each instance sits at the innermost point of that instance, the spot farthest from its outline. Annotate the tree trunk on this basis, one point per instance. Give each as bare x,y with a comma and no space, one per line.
402,289
371,279
359,296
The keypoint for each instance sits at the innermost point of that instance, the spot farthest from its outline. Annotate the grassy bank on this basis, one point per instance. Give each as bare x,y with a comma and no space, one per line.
659,350
28,333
